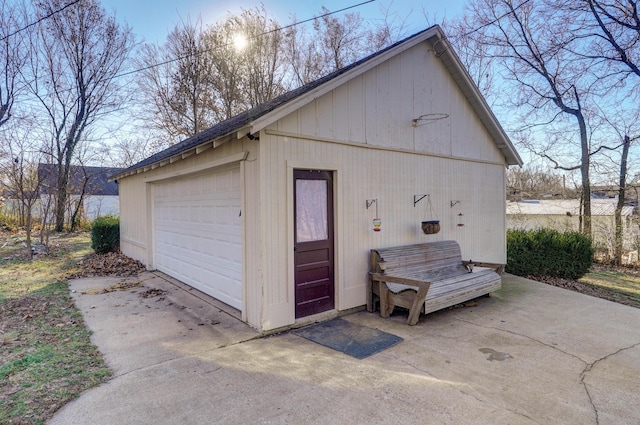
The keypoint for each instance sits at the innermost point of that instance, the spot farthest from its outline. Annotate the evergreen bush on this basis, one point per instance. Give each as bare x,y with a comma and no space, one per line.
547,252
105,234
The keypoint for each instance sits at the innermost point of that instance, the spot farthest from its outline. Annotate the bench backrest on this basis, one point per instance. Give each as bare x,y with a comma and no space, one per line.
425,256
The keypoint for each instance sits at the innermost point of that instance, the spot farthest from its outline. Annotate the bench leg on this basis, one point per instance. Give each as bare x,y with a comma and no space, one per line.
418,302
386,308
371,297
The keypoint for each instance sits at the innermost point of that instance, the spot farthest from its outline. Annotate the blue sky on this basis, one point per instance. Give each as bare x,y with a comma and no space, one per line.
151,21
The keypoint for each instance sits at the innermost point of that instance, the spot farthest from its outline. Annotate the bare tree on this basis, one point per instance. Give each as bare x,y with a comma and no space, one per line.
342,39
13,55
177,81
335,42
529,39
613,34
127,152
77,55
201,76
303,55
390,29
474,55
19,176
262,58
534,183
229,75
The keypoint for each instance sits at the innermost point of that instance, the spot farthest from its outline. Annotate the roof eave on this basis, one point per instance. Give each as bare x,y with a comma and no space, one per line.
196,150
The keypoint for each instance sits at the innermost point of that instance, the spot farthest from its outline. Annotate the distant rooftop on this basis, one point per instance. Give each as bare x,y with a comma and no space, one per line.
95,177
599,207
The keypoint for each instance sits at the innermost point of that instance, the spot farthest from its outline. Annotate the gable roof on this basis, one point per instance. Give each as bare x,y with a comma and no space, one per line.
96,179
259,117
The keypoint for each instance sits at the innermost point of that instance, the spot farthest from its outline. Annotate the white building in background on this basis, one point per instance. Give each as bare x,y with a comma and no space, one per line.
564,215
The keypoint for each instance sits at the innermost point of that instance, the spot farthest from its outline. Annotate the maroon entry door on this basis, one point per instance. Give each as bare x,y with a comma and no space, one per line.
313,243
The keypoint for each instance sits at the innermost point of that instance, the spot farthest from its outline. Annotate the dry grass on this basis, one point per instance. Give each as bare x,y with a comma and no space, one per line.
46,357
620,285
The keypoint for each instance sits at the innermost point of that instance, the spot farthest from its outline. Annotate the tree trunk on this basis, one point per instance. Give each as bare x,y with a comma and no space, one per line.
621,196
64,171
61,198
29,229
79,206
585,164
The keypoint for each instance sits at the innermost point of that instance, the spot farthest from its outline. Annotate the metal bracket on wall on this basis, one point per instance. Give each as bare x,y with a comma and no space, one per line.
418,198
370,202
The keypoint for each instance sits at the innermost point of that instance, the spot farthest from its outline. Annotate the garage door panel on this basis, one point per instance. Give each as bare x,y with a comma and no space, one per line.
198,233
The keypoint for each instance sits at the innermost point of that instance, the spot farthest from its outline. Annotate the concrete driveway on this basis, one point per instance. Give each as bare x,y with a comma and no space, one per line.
529,354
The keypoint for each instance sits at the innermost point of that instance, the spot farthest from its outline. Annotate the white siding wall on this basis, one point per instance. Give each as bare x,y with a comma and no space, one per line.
133,218
392,178
363,131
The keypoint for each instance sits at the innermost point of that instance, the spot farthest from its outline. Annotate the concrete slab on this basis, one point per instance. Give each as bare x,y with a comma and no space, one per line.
529,354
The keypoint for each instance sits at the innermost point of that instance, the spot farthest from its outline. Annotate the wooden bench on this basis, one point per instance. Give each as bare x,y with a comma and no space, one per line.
427,277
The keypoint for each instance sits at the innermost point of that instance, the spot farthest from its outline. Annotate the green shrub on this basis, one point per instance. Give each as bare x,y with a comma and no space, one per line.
105,234
547,252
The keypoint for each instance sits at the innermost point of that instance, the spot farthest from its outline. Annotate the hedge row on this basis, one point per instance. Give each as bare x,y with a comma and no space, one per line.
547,252
105,234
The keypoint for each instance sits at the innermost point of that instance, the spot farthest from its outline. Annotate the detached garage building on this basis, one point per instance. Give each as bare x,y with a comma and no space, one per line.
271,211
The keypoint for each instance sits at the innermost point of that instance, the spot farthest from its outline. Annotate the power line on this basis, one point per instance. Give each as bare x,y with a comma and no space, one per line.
155,65
40,20
445,41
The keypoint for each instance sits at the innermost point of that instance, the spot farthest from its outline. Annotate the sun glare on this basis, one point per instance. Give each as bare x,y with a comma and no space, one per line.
240,42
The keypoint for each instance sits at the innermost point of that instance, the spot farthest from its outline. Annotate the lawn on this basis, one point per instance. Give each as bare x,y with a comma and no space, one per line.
46,356
616,284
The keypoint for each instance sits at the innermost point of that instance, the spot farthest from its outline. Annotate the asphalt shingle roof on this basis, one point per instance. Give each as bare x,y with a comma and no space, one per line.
96,179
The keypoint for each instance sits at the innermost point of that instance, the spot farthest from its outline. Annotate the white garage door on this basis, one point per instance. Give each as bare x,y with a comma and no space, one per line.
198,233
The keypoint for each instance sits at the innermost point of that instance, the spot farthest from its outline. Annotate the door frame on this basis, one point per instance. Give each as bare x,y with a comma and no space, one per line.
304,249
337,235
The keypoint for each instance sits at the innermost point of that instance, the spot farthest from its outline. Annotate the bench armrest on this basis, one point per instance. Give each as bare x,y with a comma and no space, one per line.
499,268
379,277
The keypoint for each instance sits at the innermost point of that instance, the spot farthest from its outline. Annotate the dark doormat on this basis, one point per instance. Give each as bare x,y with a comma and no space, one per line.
352,339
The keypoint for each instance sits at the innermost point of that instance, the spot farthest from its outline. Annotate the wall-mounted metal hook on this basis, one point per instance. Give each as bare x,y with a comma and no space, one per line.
371,202
454,203
418,198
